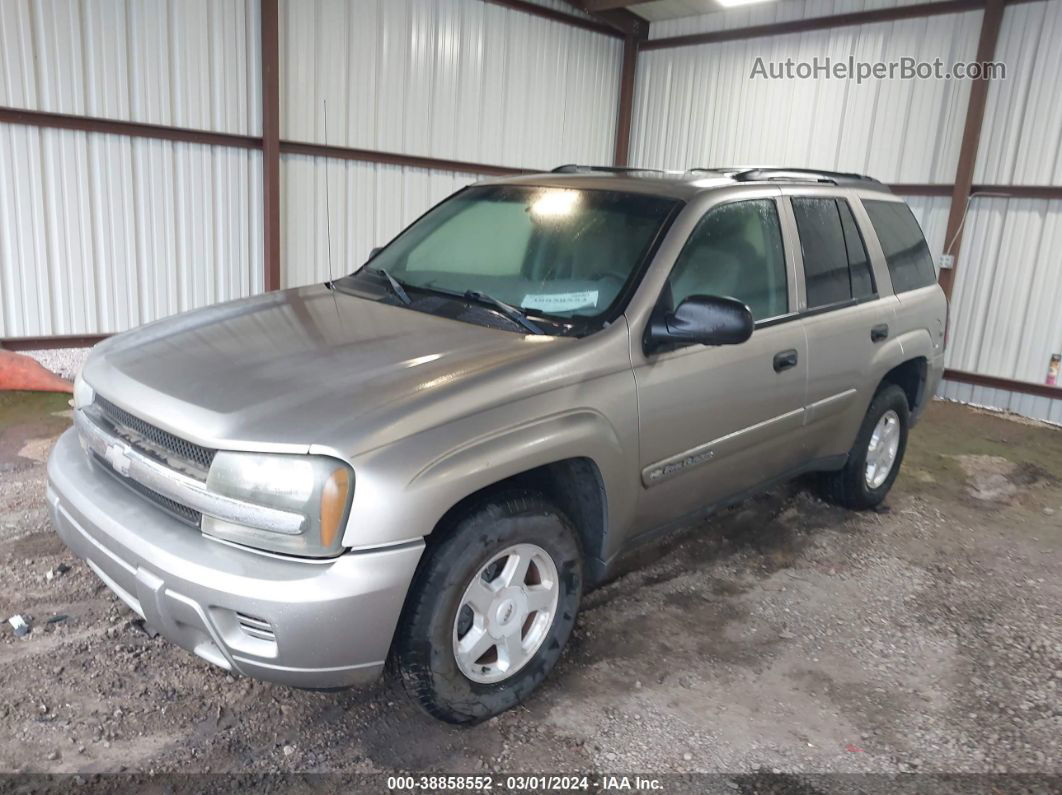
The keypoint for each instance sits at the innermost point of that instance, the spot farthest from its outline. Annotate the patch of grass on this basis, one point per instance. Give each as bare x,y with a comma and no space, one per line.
950,430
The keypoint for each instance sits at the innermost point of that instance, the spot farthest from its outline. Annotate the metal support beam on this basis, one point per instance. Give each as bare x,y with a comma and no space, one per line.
626,100
610,5
396,159
51,343
971,137
1009,384
597,26
93,124
890,14
271,142
621,20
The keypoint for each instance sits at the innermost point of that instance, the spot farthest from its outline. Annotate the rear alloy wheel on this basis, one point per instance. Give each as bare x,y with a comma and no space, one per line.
875,458
491,608
881,451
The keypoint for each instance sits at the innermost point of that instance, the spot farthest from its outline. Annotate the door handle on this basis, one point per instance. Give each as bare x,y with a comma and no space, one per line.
785,360
878,333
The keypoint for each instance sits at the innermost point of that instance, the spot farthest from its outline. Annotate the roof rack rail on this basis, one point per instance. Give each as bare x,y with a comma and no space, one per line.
576,168
771,174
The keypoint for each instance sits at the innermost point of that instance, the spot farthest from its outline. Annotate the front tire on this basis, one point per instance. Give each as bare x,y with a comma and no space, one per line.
490,609
875,458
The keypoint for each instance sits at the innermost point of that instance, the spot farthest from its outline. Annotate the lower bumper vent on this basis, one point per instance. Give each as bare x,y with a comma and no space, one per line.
256,627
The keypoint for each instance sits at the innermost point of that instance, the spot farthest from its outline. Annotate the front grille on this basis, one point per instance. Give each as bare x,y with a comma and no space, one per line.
155,442
172,507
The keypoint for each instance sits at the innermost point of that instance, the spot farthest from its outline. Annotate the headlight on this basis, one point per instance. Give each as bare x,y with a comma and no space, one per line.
83,393
318,487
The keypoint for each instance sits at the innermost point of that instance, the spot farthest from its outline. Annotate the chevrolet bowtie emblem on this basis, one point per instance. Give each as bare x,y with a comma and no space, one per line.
117,456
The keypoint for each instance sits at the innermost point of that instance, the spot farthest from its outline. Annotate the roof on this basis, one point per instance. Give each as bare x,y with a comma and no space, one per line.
684,184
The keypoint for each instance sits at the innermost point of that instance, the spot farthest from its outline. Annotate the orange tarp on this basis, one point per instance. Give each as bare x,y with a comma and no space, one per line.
23,372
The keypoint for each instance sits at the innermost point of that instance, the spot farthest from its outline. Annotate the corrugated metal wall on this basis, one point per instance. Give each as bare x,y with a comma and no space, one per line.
181,63
98,232
1007,302
698,106
369,204
447,78
453,79
1021,141
1006,317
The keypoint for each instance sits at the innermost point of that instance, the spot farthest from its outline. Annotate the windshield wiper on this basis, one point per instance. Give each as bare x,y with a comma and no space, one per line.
509,311
396,286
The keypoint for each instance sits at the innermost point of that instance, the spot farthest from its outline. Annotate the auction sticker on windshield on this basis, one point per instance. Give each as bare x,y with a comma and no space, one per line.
560,302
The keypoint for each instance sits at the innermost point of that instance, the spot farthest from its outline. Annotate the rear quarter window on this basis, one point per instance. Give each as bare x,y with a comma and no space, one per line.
906,253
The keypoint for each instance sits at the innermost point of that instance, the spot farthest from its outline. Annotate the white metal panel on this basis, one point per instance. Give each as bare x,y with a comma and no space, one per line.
183,63
99,233
703,16
932,214
1021,142
1036,407
698,105
368,204
1005,312
455,79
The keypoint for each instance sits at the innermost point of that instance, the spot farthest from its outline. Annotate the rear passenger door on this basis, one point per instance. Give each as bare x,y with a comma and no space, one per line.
843,319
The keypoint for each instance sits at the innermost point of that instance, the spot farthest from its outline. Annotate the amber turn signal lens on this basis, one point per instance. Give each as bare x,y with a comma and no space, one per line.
333,505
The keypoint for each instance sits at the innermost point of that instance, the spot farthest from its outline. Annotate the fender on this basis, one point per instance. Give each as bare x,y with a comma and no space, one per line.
395,503
915,343
893,352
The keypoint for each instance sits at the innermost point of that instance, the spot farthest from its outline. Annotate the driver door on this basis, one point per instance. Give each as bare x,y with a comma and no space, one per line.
717,421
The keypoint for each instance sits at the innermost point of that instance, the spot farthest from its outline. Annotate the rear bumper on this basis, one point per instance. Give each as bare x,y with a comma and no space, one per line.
300,623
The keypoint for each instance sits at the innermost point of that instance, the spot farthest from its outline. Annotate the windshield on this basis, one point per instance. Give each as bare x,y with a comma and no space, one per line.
548,252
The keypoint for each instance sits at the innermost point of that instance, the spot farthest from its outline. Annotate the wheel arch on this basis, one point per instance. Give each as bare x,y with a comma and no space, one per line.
575,459
575,485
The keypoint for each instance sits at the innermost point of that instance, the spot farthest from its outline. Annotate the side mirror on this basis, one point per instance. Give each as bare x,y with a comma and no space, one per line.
376,250
701,320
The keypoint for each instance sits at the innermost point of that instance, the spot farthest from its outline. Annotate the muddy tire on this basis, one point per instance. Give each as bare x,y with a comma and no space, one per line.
875,458
508,573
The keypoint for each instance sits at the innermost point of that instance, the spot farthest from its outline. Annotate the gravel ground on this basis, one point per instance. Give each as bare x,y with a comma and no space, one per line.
785,635
65,362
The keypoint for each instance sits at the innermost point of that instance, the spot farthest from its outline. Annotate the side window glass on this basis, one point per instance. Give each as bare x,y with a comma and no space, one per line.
858,259
822,243
735,252
910,263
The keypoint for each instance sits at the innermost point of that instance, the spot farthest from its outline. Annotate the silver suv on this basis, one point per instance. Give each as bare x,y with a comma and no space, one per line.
430,459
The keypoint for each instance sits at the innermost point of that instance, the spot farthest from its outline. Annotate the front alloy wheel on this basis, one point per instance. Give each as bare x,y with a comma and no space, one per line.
506,613
491,607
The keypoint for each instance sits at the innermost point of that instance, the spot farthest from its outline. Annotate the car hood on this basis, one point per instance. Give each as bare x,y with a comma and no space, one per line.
301,367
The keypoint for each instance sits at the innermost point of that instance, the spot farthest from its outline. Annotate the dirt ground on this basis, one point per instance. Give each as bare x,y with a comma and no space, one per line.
785,635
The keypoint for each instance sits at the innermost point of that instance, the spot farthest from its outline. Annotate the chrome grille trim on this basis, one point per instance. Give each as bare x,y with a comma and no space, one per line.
188,491
182,512
155,442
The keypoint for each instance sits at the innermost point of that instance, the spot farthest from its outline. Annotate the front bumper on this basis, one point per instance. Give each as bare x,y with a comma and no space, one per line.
316,624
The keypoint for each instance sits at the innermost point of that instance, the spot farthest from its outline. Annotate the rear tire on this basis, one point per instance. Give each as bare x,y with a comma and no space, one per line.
482,547
859,486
